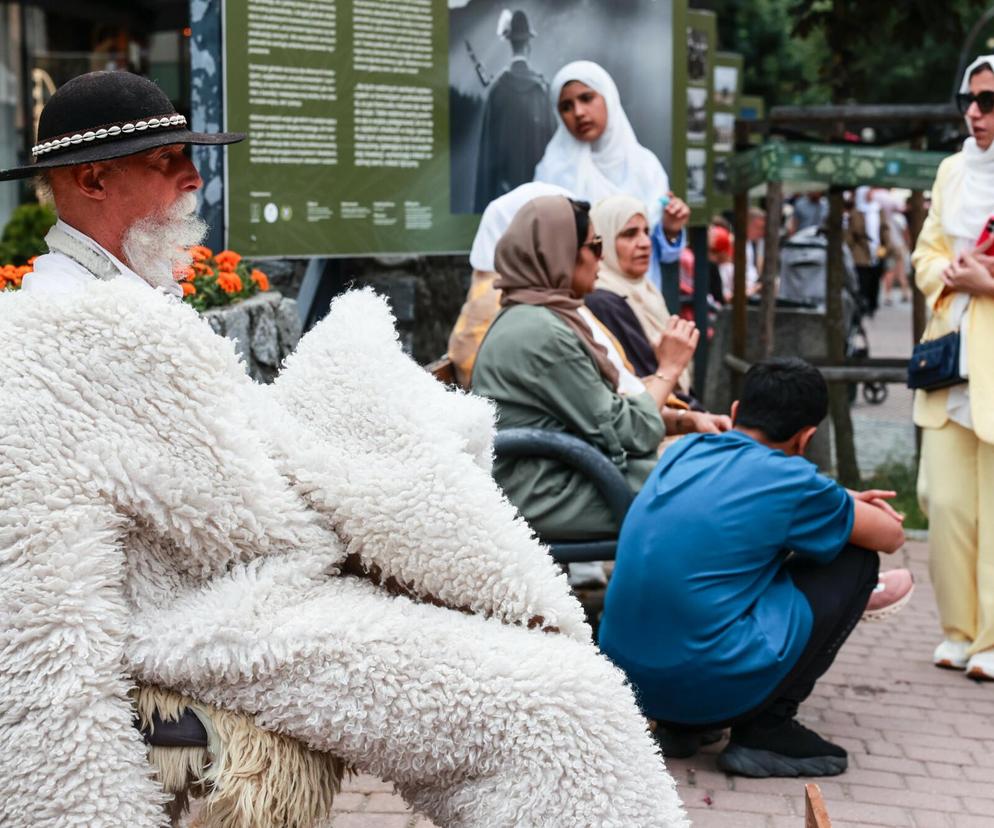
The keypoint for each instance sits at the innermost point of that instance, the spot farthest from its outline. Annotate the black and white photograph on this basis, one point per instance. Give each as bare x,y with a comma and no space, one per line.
697,161
697,56
720,178
697,114
503,61
724,131
726,85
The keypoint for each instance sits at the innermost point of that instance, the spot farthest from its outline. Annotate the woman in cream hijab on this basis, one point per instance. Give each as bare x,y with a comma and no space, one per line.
956,481
595,153
632,308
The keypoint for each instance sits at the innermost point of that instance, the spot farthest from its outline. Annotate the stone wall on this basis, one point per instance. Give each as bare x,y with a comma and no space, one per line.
425,292
265,329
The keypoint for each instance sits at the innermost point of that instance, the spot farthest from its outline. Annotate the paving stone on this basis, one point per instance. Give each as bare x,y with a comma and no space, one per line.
920,741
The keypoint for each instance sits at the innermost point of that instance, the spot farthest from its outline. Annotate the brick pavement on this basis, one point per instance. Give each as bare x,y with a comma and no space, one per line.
920,742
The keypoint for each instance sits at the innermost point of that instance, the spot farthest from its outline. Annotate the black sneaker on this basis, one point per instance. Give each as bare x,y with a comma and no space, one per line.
681,744
677,744
786,749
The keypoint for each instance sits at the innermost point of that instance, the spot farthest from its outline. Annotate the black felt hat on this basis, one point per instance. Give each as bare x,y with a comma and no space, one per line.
520,29
102,115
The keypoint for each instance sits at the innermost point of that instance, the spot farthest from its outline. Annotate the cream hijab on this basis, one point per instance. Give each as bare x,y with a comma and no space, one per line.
614,163
609,217
971,188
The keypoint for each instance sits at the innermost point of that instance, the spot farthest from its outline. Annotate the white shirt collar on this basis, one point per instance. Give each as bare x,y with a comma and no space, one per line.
122,268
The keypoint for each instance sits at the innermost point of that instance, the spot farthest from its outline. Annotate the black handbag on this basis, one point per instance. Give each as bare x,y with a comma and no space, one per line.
935,364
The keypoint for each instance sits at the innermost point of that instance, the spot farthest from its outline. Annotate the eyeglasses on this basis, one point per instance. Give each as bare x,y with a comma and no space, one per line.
596,246
984,101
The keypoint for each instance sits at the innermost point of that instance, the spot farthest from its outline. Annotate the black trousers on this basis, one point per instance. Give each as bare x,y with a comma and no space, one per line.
837,592
869,286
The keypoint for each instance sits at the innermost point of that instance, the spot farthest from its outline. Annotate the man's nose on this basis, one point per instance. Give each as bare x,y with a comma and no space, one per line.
190,180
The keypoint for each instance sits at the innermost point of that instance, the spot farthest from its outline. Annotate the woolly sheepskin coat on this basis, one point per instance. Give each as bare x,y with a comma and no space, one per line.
164,519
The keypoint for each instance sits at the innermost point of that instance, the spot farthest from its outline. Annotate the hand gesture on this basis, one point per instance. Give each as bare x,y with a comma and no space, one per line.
676,214
703,422
879,498
971,273
676,345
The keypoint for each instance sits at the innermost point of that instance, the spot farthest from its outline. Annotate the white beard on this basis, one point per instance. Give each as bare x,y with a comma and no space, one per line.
157,247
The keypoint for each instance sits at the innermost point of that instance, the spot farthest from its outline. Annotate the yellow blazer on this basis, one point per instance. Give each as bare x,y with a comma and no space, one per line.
933,252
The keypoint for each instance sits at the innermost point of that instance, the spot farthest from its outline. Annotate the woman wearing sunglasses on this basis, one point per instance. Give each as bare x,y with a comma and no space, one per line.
547,363
956,482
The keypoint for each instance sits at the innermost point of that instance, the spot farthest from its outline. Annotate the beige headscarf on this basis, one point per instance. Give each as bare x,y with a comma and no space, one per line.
611,215
535,259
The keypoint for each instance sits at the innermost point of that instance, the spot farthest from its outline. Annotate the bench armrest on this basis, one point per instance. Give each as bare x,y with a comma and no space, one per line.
573,452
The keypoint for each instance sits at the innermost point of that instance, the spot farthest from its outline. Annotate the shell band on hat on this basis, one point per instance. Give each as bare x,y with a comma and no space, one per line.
168,121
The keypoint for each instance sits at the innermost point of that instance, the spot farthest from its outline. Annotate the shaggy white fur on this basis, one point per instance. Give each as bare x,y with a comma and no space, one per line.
167,520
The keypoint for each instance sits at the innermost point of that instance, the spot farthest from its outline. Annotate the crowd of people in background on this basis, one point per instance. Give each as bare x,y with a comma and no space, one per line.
565,328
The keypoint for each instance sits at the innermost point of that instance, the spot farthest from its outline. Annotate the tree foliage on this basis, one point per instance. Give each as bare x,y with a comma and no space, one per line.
834,51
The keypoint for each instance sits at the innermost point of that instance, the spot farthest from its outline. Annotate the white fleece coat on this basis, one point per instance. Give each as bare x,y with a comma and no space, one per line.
164,519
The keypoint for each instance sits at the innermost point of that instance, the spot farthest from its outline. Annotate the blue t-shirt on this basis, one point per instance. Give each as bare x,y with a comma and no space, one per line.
700,613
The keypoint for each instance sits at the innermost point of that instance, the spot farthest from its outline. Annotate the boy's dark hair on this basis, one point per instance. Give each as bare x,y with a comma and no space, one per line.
782,395
581,215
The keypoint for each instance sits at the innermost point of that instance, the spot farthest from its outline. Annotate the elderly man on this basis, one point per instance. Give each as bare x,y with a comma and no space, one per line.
328,554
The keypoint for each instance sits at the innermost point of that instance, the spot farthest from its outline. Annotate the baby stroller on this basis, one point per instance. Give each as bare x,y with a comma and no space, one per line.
803,260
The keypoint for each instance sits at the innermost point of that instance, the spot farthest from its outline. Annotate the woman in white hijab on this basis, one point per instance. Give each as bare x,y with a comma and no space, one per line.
594,153
483,299
956,482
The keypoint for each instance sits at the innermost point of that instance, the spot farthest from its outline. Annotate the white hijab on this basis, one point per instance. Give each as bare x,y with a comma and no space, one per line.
616,163
497,217
971,190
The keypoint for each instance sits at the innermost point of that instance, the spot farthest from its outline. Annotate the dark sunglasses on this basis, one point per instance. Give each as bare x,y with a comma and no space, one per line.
596,246
984,101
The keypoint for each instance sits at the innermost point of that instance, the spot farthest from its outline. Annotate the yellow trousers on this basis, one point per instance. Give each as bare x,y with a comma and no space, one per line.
956,489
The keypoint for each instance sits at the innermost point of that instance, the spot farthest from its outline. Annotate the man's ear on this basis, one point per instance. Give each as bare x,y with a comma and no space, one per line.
735,411
803,437
89,180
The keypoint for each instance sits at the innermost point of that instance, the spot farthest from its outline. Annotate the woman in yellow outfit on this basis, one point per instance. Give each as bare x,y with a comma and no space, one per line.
956,483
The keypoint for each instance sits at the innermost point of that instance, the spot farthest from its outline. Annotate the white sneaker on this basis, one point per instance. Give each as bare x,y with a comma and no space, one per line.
952,654
981,666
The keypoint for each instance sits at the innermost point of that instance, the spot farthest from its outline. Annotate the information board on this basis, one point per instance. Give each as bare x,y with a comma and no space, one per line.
726,86
702,39
366,117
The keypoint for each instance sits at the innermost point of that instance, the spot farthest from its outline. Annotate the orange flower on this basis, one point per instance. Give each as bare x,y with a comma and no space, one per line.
261,279
229,282
227,260
200,253
3,283
31,261
188,288
187,274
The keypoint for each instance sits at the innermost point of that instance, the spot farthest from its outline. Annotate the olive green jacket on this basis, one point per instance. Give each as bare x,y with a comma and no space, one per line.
537,370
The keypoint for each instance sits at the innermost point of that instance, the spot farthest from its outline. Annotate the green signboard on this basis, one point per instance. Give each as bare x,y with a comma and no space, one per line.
385,126
702,39
840,165
726,86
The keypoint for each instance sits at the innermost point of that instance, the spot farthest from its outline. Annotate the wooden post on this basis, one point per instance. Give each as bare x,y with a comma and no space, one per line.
739,320
771,267
847,470
815,812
